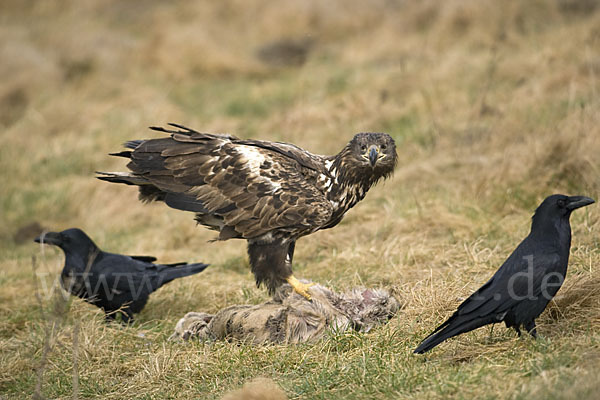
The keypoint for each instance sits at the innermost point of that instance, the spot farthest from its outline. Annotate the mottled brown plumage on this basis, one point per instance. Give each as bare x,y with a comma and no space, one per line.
269,193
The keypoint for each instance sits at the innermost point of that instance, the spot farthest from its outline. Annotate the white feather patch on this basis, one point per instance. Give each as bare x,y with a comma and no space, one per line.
253,158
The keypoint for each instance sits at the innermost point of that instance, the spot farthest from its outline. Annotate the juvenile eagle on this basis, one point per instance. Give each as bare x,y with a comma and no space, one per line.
269,193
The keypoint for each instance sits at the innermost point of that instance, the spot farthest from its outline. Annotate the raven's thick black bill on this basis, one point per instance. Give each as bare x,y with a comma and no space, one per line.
49,238
575,202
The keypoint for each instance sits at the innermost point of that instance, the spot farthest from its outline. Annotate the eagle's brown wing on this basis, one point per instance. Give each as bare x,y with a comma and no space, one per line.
244,188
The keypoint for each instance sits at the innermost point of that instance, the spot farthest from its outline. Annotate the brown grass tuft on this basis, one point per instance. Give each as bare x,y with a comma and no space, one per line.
257,389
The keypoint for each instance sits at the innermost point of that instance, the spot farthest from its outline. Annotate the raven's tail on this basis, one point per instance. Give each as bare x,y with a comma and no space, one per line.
179,271
454,326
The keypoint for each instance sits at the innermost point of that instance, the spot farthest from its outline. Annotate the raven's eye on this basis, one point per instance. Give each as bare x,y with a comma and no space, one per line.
561,203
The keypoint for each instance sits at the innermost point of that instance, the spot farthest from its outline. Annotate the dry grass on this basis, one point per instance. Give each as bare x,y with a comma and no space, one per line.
494,105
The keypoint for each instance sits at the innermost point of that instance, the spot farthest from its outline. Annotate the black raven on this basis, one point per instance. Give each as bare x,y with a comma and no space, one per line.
113,282
520,290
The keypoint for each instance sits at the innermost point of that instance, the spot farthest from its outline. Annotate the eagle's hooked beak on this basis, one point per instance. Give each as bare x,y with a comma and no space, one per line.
373,155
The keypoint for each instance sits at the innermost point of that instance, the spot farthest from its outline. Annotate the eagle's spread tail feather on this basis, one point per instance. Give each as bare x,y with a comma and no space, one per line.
130,144
183,130
122,177
148,192
185,134
125,154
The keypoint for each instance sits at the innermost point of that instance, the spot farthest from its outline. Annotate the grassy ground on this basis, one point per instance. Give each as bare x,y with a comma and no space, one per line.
493,105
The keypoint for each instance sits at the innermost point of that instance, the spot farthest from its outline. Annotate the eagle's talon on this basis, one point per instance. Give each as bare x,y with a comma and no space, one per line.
299,287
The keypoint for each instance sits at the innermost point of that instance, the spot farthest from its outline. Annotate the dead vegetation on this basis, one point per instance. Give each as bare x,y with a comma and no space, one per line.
493,105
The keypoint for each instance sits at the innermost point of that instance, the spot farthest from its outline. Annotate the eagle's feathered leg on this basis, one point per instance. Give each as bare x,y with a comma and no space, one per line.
271,264
268,262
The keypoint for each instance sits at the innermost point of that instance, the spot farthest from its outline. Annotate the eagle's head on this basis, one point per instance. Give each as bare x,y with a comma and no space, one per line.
374,153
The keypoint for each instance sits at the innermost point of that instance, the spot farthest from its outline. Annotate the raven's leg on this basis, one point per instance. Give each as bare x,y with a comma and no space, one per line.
299,287
126,316
491,332
109,316
516,328
530,326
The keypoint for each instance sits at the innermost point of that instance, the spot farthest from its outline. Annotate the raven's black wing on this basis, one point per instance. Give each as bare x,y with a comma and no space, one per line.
121,273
